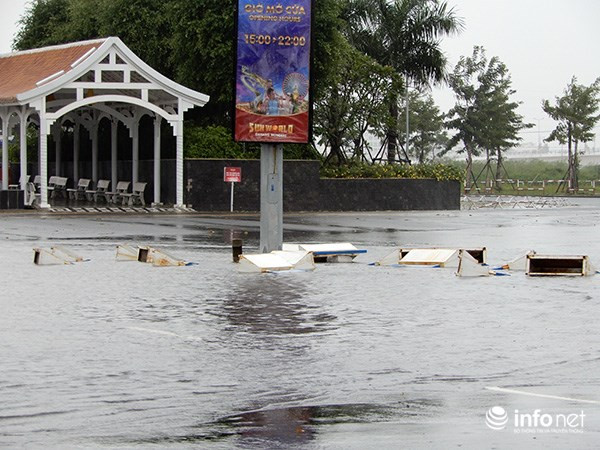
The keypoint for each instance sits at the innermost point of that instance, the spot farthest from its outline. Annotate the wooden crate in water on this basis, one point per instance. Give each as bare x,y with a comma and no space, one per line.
544,265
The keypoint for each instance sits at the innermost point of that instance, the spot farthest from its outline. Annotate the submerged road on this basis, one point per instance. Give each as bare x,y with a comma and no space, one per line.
121,354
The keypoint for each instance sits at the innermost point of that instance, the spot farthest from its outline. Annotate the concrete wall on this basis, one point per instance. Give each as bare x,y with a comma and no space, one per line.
303,188
12,199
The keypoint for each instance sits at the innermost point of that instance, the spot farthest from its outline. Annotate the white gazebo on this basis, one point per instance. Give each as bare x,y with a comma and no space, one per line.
83,83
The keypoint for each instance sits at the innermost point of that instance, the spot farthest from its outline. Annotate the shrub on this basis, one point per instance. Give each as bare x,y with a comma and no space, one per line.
210,142
440,172
217,142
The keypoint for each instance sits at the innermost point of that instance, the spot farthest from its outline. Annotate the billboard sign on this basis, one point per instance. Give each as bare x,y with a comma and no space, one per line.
272,103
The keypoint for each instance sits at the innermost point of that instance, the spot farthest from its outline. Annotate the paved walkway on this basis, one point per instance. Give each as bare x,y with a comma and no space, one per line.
118,209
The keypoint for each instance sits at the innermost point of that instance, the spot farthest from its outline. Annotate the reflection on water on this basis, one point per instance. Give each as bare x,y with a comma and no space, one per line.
283,427
273,304
276,426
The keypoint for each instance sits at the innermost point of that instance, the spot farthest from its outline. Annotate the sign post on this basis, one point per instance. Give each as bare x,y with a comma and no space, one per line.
232,175
272,102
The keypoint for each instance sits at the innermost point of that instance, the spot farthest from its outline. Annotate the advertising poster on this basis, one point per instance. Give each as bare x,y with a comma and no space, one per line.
273,71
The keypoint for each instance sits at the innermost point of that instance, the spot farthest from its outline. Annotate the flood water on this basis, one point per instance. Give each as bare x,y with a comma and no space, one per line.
122,354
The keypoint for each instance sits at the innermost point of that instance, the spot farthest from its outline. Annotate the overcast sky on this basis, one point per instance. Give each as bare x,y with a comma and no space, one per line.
542,42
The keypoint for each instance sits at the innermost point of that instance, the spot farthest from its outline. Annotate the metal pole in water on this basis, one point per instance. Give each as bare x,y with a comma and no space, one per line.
271,197
236,248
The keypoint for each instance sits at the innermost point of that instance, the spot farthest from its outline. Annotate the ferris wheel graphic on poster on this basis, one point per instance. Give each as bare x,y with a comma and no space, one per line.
295,85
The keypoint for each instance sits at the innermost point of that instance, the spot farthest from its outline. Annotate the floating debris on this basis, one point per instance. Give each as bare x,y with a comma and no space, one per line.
468,266
519,263
331,253
148,255
127,253
439,257
163,259
545,265
56,255
277,261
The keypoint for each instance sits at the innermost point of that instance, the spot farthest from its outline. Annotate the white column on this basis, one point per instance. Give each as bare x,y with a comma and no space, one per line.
5,152
95,153
43,163
76,147
39,155
58,148
135,151
23,148
179,166
157,123
114,126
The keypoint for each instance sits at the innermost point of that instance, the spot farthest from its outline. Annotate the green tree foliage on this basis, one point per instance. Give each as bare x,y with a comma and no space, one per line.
143,25
43,23
576,113
212,142
484,117
427,133
202,44
404,35
215,141
355,103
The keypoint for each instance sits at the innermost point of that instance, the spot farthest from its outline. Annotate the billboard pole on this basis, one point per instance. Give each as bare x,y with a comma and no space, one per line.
273,104
271,197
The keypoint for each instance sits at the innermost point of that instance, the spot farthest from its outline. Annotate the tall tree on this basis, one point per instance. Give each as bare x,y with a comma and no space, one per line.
577,114
464,116
501,123
427,132
355,103
485,118
404,35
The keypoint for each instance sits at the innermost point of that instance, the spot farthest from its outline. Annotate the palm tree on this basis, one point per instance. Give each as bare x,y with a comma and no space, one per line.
404,35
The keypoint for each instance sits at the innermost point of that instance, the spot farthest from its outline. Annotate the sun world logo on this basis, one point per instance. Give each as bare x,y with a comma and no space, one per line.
496,418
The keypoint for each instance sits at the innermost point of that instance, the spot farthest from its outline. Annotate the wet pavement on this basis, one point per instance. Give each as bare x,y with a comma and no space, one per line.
122,354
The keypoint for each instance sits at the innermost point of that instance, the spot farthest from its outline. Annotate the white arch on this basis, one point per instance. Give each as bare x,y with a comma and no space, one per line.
112,112
52,117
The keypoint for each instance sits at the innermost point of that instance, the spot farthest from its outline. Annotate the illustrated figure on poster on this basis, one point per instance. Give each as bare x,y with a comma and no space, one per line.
295,86
272,103
255,83
266,99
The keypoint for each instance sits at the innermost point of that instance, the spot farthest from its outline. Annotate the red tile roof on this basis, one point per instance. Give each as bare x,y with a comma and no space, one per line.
20,71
